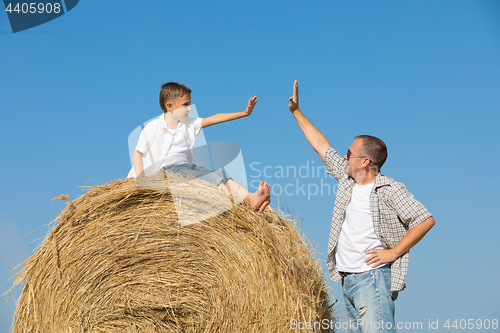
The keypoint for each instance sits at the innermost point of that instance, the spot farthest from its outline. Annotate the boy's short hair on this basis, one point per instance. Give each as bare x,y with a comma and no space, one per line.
374,148
170,91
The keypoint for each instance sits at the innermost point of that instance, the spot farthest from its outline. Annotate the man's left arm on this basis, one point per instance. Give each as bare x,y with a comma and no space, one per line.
223,117
411,213
412,237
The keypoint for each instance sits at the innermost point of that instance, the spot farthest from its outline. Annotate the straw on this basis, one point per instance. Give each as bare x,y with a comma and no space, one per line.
118,260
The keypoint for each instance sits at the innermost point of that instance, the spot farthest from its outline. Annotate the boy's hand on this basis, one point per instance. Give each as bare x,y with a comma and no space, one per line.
251,104
223,117
293,102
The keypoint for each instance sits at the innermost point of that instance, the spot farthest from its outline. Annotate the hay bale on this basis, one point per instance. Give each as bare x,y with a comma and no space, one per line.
118,261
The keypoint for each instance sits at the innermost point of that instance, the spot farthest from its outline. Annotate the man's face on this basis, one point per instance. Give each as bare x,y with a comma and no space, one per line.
180,108
357,159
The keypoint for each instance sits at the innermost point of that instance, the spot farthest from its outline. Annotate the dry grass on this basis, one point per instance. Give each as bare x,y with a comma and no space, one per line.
118,260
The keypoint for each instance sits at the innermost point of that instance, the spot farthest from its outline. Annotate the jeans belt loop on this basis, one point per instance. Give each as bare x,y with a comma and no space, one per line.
343,274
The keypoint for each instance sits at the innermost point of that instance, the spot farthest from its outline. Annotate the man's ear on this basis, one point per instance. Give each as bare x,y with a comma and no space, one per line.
366,162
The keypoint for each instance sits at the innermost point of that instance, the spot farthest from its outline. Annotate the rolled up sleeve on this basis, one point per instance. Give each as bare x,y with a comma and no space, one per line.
410,211
335,164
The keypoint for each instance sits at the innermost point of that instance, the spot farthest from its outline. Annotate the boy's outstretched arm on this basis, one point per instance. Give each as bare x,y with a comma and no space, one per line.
223,117
313,136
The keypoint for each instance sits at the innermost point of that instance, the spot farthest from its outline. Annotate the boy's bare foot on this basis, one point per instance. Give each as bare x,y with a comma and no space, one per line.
261,198
268,201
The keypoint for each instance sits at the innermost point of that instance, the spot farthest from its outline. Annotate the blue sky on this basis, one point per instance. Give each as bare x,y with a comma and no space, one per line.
422,75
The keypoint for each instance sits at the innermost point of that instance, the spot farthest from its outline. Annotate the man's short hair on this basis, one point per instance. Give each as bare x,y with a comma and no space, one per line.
170,91
375,149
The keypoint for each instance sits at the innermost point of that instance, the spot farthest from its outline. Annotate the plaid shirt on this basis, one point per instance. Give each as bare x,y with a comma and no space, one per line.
394,211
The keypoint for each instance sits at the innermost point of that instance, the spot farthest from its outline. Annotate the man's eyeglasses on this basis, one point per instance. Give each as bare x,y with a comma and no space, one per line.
349,155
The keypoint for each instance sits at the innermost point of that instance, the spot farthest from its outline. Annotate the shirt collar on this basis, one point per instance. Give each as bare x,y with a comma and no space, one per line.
381,180
164,125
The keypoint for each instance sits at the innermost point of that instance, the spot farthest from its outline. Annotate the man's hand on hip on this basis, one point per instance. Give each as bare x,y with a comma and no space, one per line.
380,257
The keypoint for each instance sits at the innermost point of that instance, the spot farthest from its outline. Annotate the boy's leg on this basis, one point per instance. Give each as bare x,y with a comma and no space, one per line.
258,200
191,170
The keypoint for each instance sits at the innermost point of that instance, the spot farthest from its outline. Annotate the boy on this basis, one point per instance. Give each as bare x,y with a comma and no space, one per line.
168,143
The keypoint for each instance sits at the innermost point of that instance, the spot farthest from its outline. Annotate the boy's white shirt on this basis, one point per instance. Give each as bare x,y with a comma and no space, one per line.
155,140
179,152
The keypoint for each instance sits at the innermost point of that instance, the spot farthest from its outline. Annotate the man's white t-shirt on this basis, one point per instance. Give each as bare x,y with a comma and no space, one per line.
178,152
357,234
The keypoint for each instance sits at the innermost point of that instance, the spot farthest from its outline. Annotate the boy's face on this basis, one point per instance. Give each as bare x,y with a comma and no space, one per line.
180,107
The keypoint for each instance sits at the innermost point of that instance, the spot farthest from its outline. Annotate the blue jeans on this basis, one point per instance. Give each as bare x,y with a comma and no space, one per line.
369,301
192,170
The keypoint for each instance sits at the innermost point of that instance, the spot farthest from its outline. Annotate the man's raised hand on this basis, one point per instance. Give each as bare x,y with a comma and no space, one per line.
251,105
293,102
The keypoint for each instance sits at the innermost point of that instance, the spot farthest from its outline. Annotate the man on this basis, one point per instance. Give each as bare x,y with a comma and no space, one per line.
375,222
